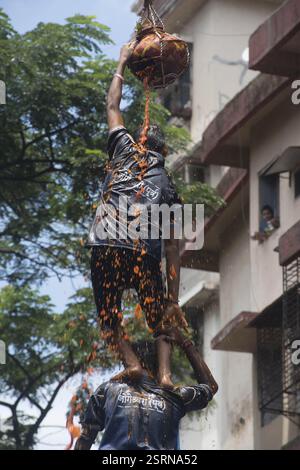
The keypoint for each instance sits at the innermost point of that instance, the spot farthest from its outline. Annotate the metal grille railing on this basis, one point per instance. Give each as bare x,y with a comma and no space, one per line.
278,372
291,333
269,351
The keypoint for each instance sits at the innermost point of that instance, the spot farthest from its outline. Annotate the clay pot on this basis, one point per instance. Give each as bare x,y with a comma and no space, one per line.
159,56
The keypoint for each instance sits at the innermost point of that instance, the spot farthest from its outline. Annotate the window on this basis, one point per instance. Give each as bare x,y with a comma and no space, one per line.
177,97
268,200
194,174
269,192
297,183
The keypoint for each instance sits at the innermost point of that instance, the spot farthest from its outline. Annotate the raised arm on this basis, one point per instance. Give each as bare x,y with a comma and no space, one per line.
92,420
200,368
87,438
173,314
114,115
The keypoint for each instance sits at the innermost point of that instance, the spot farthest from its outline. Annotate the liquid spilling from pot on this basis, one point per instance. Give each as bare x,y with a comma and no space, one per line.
146,126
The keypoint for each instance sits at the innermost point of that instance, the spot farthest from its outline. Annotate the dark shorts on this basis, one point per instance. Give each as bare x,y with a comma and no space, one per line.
116,269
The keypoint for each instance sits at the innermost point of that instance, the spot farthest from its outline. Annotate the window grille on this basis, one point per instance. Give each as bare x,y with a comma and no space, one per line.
277,330
297,183
291,333
269,371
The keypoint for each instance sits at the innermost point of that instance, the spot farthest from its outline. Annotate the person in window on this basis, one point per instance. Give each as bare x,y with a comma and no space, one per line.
141,415
268,224
121,261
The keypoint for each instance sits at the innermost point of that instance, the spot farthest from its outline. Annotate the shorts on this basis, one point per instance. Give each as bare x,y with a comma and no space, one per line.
114,270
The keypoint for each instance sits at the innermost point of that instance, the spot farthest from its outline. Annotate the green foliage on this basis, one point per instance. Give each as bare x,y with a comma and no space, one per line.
199,193
52,140
177,138
53,136
44,350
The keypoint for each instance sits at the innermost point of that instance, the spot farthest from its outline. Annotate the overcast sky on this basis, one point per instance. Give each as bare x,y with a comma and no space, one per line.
116,14
25,14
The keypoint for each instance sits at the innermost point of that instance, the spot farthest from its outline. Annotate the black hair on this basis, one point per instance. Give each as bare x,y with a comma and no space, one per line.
268,208
147,354
156,140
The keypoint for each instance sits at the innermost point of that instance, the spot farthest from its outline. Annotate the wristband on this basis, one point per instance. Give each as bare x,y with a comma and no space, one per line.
119,76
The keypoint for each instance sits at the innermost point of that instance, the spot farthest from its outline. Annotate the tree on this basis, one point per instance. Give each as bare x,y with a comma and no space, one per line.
44,350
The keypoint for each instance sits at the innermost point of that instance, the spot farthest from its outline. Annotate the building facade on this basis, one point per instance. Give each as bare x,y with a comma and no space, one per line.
243,294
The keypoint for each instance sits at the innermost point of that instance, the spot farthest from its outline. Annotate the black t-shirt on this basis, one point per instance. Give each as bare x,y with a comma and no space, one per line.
142,179
143,416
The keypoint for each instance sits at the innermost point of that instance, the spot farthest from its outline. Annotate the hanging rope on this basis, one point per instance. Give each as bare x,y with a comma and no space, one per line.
149,13
159,56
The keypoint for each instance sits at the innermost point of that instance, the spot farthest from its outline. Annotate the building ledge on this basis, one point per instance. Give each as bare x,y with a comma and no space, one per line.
175,13
229,186
239,335
162,7
236,336
226,139
185,159
275,46
200,294
271,316
233,188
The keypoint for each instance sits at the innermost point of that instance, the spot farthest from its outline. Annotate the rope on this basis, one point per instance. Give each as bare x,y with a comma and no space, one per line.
156,25
151,14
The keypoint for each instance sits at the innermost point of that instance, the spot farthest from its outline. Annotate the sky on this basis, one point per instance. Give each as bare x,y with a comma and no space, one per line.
116,14
25,15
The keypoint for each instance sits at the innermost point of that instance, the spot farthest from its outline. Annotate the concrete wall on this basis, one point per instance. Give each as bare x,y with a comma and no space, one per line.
190,279
202,433
220,28
235,269
235,395
251,279
229,422
269,141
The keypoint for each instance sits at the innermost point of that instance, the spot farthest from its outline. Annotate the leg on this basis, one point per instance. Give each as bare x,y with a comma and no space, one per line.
108,285
133,369
151,295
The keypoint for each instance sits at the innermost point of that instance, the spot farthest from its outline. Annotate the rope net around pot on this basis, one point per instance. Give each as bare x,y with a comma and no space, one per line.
159,57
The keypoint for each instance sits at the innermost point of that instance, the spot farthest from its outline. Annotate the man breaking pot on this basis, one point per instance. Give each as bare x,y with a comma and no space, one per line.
125,253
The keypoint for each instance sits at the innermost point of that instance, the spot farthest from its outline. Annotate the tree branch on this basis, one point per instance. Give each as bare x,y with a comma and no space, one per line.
54,132
7,405
33,430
